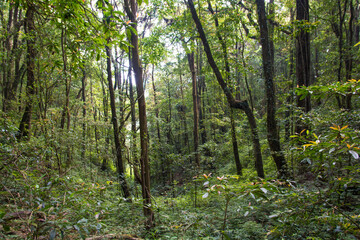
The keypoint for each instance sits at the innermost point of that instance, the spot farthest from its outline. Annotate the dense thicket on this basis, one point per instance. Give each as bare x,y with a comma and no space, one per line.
220,119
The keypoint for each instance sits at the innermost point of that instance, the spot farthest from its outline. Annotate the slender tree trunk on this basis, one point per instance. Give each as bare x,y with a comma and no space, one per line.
106,118
25,124
245,74
290,98
235,144
7,64
83,86
169,116
243,105
191,62
96,133
183,110
271,124
200,91
13,58
114,120
131,10
133,118
348,52
227,68
156,105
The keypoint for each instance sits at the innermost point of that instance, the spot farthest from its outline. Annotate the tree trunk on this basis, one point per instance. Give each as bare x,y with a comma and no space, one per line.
131,10
183,110
156,106
191,62
349,53
25,124
290,98
83,86
201,88
243,105
134,154
302,58
169,115
227,68
271,124
114,120
106,118
235,144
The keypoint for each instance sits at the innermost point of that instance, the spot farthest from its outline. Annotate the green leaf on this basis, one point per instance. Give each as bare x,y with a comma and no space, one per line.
227,237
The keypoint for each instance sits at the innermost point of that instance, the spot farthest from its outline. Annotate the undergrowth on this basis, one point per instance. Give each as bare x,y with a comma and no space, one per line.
40,202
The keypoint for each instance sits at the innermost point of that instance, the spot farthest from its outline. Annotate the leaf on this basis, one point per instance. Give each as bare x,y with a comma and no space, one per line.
273,216
264,190
252,195
344,127
205,195
227,237
246,213
315,136
83,220
52,234
206,183
354,154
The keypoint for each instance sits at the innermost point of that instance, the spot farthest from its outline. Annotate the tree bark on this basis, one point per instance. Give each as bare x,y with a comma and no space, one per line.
268,65
83,85
191,61
106,118
302,58
131,10
25,124
114,120
235,144
156,106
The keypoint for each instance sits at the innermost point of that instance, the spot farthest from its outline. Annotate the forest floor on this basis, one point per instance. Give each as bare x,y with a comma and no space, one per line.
53,207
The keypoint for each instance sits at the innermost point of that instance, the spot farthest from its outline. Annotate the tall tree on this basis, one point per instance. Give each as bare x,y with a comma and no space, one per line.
302,56
243,105
268,66
228,73
131,10
114,120
30,30
191,61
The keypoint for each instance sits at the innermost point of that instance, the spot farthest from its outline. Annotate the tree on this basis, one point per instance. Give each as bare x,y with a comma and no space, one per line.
30,30
268,66
191,61
243,105
131,10
114,120
302,56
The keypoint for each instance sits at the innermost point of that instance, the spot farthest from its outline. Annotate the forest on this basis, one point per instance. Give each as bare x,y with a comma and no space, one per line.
180,119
